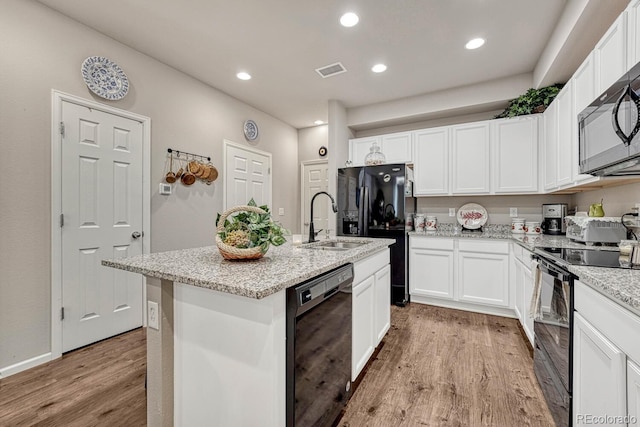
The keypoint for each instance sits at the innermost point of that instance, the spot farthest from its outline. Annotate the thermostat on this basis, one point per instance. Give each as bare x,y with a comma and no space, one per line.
165,189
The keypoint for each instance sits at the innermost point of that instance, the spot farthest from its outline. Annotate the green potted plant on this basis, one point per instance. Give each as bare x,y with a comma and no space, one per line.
532,101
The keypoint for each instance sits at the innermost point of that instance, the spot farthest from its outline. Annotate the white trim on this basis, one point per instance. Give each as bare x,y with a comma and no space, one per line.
302,201
57,98
228,143
24,365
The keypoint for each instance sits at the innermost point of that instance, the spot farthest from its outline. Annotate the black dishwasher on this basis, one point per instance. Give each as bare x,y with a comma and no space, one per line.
319,348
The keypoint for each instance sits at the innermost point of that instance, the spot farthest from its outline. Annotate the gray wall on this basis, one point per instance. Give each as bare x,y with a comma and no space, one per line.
43,50
616,200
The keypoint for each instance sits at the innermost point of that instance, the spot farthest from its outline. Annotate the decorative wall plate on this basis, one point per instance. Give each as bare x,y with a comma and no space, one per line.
250,130
105,78
472,216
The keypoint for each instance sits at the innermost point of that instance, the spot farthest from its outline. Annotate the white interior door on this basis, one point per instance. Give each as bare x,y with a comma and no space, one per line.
247,175
315,177
102,207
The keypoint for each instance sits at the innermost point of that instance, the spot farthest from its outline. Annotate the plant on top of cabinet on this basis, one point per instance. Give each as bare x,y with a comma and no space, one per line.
531,102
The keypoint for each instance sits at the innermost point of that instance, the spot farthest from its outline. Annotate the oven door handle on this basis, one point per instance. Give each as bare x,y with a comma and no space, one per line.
552,270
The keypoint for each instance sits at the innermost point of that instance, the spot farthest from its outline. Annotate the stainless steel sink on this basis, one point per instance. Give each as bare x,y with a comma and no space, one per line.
336,246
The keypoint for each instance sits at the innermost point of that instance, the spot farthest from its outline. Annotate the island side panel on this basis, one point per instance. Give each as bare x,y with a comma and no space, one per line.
229,358
160,365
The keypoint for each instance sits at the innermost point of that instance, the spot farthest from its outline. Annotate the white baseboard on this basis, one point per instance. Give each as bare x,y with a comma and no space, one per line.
458,305
24,365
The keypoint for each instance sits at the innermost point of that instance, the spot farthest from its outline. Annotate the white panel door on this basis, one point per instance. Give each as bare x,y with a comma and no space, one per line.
566,137
315,177
247,176
431,161
362,323
550,147
611,54
396,147
514,143
470,158
633,33
360,147
102,207
483,278
584,93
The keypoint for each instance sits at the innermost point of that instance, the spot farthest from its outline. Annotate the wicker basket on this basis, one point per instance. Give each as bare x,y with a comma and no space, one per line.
231,252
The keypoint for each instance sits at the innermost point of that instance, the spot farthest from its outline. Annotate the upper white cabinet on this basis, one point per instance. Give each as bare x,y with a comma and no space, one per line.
514,144
470,158
396,147
550,148
584,93
633,33
611,54
566,141
431,161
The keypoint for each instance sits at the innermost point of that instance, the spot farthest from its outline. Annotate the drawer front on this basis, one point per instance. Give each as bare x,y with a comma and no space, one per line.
369,266
420,242
484,245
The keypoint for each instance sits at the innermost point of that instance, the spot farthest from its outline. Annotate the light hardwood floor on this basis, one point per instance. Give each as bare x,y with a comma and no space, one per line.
442,367
438,367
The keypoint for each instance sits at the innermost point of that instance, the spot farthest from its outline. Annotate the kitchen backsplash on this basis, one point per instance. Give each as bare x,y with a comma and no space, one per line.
529,207
615,200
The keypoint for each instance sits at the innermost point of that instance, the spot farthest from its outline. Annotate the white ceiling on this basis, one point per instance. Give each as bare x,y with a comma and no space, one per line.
281,42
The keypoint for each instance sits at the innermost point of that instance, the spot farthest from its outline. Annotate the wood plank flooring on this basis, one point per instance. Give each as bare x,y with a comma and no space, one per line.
98,385
443,367
438,367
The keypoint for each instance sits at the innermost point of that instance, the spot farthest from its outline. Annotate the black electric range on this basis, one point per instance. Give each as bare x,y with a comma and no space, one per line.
593,257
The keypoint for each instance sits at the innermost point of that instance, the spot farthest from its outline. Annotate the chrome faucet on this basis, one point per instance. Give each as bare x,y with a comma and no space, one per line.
312,234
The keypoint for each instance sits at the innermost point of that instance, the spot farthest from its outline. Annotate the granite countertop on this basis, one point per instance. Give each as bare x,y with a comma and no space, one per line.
619,284
281,267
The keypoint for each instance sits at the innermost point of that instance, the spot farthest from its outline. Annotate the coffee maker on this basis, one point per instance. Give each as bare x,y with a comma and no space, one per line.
553,218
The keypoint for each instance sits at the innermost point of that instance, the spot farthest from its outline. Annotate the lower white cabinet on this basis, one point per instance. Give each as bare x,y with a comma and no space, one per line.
606,373
483,277
528,282
468,274
431,268
598,374
371,315
633,389
523,277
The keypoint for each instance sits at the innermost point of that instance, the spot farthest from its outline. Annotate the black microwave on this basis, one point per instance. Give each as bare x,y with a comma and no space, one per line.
609,129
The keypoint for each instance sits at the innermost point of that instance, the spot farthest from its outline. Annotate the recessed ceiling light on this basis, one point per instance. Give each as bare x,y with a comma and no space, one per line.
318,122
349,19
474,44
379,68
243,76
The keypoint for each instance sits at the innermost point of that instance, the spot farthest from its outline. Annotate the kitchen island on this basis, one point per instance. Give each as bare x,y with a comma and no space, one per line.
218,357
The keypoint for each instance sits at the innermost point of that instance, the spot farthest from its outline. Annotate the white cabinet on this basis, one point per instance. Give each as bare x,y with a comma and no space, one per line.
565,139
360,147
483,272
431,161
466,274
514,145
598,373
549,148
382,304
633,389
611,54
528,281
633,33
431,267
518,280
363,326
396,147
470,158
606,374
371,308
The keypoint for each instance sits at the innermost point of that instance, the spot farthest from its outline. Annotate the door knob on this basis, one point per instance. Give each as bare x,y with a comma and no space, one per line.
136,234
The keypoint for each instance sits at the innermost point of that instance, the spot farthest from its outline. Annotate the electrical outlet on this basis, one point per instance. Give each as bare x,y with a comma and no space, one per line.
281,211
513,212
452,211
152,315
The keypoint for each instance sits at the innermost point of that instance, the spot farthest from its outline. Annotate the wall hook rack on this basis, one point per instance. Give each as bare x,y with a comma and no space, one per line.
178,152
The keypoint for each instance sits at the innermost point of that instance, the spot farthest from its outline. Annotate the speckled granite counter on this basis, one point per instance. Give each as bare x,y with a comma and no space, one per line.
619,284
281,267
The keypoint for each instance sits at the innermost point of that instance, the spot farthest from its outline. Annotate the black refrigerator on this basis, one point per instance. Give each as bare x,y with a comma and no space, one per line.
371,203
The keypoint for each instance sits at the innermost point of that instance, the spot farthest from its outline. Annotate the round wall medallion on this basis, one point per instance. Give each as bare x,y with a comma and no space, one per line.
322,151
105,78
250,130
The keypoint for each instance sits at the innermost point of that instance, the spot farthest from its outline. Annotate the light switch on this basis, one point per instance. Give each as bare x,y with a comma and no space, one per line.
281,211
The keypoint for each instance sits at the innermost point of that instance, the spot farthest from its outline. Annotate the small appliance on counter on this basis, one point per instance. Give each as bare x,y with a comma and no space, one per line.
553,218
595,230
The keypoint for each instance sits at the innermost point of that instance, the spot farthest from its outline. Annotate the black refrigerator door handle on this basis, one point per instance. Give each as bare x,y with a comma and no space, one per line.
626,139
363,212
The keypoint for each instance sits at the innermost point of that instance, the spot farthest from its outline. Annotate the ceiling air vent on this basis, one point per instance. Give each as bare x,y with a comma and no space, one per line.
331,70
